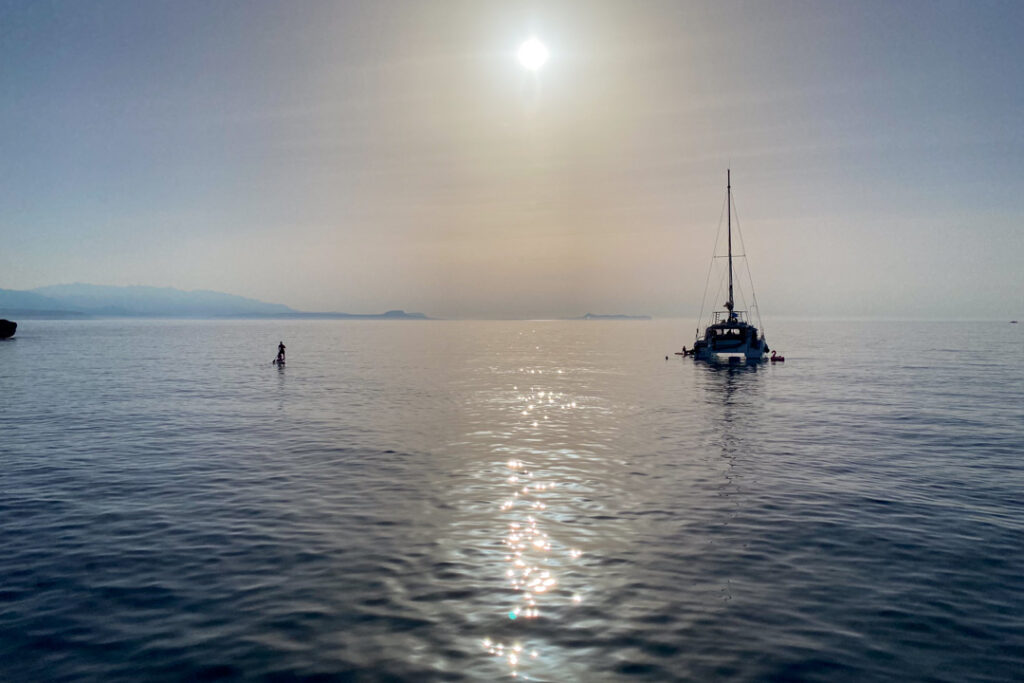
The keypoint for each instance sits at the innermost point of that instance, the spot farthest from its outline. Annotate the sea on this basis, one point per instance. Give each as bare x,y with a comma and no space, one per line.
510,500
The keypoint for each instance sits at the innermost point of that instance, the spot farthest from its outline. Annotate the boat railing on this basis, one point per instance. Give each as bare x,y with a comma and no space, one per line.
725,316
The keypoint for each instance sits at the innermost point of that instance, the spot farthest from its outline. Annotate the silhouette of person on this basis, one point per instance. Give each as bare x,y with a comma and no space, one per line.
280,352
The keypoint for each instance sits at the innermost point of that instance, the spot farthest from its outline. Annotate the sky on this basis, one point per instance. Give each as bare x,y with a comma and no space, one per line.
364,156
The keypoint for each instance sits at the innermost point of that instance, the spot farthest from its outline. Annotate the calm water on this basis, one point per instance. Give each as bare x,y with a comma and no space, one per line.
476,500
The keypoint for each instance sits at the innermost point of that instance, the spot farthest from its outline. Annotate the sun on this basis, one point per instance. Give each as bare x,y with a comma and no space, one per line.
532,54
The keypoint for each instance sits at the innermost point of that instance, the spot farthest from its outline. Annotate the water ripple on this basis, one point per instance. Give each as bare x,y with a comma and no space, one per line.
544,500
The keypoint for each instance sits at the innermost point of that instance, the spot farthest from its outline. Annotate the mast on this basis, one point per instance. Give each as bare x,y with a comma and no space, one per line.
728,201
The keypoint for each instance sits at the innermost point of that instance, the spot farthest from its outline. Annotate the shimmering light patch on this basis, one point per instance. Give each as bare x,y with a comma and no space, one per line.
530,567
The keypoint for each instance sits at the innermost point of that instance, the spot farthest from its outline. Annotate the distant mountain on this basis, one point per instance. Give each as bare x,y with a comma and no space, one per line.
13,300
154,301
80,300
390,315
613,316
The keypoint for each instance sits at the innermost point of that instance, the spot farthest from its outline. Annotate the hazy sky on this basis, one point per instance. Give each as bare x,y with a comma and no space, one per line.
360,156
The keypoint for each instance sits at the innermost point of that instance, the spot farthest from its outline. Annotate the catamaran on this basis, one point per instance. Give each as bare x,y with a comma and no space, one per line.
730,337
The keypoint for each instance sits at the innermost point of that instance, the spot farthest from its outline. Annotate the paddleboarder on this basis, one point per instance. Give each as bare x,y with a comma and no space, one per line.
280,352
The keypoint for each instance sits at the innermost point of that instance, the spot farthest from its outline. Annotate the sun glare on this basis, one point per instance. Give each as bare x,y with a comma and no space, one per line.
533,54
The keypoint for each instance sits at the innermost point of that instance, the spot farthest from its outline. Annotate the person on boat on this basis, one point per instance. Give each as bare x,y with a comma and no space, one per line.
280,352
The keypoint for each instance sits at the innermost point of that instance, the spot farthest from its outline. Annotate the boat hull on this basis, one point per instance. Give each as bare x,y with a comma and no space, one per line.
730,356
731,340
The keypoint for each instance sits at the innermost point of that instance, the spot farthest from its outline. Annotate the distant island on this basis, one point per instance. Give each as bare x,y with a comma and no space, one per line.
612,316
83,300
390,315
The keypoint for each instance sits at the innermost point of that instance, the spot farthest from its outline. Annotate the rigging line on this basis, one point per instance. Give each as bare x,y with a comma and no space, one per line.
721,286
750,275
743,300
741,287
707,280
722,279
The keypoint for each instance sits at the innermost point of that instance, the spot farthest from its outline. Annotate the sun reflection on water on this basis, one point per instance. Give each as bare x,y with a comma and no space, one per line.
532,557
